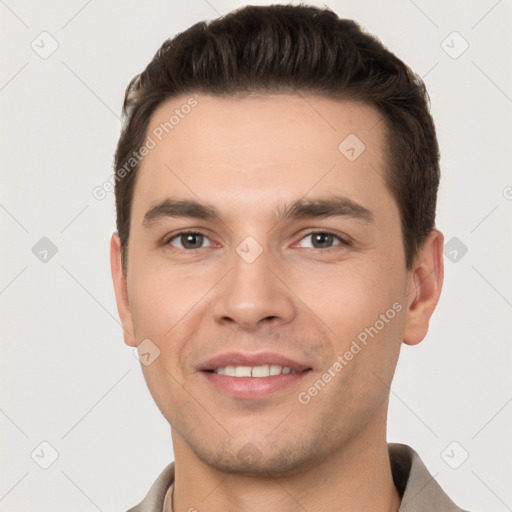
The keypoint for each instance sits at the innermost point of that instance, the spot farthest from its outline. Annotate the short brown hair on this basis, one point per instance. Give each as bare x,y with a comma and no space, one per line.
290,48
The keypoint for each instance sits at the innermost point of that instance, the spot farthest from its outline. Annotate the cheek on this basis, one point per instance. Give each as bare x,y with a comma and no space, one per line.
160,298
346,296
168,306
161,302
362,303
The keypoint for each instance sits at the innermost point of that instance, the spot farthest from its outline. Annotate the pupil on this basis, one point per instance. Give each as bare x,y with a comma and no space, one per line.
322,238
190,238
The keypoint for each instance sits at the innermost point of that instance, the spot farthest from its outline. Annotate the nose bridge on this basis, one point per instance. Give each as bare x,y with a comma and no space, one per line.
251,292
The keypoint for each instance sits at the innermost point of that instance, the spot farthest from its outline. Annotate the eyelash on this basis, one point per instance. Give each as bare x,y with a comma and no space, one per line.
342,241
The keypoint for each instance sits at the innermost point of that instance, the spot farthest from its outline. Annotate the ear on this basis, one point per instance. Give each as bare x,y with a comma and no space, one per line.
425,284
121,290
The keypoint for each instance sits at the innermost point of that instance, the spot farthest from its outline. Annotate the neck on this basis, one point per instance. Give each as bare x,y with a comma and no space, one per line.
356,477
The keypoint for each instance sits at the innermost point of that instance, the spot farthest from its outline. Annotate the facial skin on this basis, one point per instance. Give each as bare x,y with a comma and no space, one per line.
249,158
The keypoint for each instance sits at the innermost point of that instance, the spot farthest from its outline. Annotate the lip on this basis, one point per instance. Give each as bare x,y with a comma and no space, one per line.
250,388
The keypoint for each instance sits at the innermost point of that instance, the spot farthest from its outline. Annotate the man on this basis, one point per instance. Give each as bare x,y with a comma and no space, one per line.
276,184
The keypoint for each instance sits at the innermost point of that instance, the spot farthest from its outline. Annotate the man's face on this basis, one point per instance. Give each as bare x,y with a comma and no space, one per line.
255,288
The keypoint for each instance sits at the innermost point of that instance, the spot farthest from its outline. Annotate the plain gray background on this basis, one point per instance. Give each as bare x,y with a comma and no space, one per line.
68,380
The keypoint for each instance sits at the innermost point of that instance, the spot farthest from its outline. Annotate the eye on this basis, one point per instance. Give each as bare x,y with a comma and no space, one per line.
188,240
323,240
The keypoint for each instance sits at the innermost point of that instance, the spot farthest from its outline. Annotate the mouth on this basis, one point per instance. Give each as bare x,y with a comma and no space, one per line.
252,376
265,370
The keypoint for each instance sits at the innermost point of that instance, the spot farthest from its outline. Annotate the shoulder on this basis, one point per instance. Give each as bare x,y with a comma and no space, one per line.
154,499
420,490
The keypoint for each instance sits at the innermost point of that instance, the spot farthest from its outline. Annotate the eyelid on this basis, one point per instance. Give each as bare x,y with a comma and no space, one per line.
172,236
345,240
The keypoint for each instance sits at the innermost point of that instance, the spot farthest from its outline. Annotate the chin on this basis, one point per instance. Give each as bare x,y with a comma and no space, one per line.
271,461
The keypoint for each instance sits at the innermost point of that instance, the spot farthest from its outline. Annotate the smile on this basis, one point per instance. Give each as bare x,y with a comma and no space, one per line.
266,370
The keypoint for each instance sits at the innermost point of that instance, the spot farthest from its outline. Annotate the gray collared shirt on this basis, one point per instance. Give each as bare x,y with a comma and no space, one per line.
419,489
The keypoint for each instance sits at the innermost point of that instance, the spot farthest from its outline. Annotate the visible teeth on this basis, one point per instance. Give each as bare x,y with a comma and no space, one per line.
242,371
260,371
254,371
229,370
275,369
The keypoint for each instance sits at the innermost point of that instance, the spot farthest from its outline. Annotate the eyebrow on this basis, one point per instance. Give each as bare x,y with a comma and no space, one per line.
337,206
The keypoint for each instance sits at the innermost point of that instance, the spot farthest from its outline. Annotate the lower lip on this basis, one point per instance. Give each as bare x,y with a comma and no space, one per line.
252,387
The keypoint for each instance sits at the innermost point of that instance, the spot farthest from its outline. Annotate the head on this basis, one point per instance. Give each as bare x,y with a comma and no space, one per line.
300,156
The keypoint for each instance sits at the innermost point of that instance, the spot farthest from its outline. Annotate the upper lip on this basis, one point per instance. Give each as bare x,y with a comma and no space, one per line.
254,359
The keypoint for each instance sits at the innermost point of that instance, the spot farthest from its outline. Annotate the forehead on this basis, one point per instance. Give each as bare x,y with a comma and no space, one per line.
280,145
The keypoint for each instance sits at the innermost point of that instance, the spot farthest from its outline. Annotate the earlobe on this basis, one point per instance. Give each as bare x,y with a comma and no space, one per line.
121,290
426,284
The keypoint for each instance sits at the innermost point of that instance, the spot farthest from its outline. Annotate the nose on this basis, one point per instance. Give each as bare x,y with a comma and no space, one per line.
253,294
